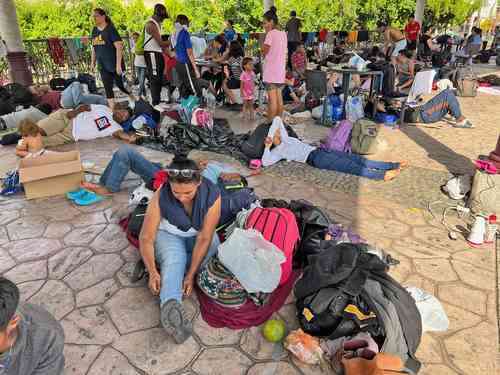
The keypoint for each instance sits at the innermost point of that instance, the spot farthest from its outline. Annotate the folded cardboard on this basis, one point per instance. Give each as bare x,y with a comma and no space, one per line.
52,174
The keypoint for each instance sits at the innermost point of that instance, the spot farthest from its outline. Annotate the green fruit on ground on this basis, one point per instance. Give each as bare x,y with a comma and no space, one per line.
274,330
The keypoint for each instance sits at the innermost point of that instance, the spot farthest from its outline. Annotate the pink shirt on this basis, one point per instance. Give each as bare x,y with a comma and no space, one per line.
247,80
275,61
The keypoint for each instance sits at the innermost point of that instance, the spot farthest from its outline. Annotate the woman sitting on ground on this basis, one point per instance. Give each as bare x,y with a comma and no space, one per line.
233,71
405,66
283,147
178,234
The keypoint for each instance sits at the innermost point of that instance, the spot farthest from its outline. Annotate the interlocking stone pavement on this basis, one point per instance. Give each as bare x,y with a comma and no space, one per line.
77,263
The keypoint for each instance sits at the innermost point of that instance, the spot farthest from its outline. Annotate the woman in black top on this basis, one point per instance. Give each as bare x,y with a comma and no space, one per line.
107,51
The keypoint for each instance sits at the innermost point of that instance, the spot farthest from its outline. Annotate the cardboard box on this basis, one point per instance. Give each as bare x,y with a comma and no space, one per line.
52,174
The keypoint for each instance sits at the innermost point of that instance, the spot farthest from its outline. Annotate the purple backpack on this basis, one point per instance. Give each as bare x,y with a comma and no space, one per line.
339,137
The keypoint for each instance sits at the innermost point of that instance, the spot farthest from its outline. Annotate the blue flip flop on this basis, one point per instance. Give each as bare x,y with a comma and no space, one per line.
77,194
89,198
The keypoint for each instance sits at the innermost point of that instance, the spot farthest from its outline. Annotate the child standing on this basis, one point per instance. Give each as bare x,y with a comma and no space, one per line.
31,144
247,87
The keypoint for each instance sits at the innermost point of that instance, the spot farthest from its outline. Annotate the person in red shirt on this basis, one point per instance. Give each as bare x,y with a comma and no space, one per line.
412,31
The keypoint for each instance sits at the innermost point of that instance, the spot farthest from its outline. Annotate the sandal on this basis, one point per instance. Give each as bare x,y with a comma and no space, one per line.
173,319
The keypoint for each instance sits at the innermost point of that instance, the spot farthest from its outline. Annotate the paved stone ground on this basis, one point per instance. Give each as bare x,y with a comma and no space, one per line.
76,262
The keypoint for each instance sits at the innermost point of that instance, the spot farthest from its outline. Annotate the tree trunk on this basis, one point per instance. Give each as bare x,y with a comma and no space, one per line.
268,4
11,34
419,11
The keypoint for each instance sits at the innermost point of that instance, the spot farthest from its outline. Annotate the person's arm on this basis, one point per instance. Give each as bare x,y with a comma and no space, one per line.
193,62
22,149
147,239
203,242
75,112
92,60
265,49
387,39
270,157
119,56
155,33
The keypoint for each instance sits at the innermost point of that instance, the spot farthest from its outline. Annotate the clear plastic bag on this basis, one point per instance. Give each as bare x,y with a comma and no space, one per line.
254,261
434,317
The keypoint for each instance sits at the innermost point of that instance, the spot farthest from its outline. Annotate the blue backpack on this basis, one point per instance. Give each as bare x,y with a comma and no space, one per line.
11,184
339,137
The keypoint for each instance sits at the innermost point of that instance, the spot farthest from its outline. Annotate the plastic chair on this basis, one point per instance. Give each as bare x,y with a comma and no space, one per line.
422,84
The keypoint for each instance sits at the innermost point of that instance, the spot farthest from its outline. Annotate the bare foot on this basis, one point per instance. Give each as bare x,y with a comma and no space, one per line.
404,164
389,175
98,189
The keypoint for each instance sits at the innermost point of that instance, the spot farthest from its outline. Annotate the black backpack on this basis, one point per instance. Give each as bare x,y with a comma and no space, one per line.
336,298
389,80
253,146
313,223
19,95
59,84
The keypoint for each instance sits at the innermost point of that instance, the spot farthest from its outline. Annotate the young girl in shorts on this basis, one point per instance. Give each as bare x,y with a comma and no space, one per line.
247,87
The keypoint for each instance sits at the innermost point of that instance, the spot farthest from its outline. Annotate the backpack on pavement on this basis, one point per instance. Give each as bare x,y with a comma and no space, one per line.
313,224
279,226
465,81
338,138
365,138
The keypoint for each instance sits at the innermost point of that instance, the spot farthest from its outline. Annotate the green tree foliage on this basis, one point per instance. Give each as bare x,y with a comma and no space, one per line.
66,18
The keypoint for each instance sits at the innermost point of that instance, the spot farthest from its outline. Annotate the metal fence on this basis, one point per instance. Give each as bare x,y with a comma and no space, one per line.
50,58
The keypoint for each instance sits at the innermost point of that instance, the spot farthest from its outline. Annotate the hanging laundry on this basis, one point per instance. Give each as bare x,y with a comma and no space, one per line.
363,36
73,50
352,37
322,35
310,38
330,37
56,50
246,36
78,43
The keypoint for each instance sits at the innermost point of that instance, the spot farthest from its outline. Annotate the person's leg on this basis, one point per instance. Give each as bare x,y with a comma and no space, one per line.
228,92
61,138
12,120
372,164
272,103
141,75
124,160
182,75
120,84
280,106
439,106
154,75
334,161
55,123
108,82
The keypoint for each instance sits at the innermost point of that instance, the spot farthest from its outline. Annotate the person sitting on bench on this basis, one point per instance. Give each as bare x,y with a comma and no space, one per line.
282,147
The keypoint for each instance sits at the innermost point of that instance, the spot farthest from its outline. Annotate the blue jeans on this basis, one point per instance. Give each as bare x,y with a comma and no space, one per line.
439,106
141,77
124,160
73,96
173,255
350,164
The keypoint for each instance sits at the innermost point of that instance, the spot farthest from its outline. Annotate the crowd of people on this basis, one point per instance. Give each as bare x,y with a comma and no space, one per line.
178,235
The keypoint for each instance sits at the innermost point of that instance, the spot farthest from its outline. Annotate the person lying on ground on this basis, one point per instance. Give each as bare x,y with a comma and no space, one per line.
33,113
86,122
178,235
31,340
438,107
43,94
31,144
283,147
126,159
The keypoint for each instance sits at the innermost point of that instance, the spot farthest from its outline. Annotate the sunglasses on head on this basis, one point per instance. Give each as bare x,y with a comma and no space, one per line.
186,173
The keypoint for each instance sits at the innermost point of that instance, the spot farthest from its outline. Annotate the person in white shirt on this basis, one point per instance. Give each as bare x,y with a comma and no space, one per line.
280,146
86,122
